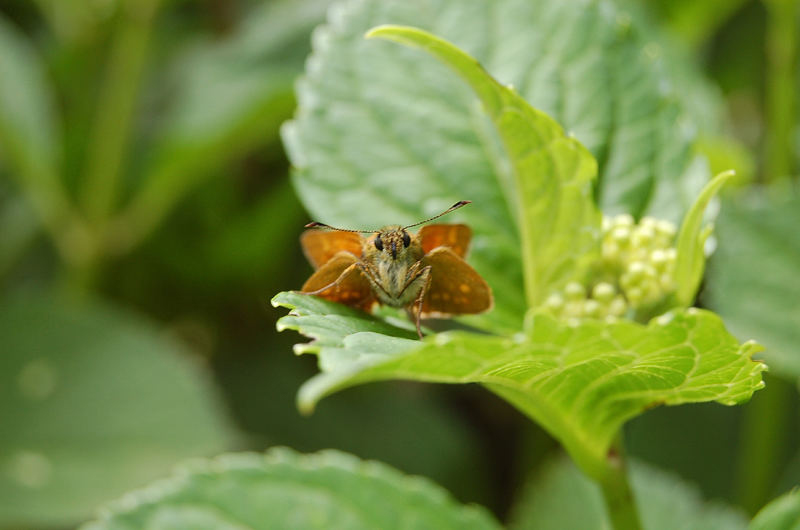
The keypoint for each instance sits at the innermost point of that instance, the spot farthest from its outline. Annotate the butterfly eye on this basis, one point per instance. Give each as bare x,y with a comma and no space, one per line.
378,243
406,239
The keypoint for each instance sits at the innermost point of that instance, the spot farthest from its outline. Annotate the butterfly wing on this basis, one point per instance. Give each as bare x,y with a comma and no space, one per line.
453,236
320,246
455,287
339,280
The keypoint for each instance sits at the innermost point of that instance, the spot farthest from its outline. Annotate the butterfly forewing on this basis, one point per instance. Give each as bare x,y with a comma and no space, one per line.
454,236
455,287
344,281
320,246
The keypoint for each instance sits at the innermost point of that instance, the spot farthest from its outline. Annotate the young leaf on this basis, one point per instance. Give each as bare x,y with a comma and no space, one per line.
558,222
561,498
93,402
285,490
387,135
691,259
581,382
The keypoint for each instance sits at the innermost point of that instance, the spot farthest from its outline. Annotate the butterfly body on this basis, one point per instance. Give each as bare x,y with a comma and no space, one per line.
393,267
425,273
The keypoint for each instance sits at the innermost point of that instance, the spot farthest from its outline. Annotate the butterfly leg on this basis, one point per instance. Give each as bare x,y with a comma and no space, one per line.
425,275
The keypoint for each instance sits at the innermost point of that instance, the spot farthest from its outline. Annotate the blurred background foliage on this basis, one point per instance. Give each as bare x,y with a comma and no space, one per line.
146,218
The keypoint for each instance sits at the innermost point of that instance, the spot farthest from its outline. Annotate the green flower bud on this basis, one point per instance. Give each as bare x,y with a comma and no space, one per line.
623,220
591,308
575,291
554,302
603,292
643,236
573,309
618,306
621,235
659,259
635,295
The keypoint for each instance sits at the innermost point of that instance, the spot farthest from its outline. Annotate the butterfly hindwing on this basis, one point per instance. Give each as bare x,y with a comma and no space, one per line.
340,280
455,287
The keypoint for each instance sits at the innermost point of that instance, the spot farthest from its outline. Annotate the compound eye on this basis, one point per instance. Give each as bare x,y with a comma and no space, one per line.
406,239
378,243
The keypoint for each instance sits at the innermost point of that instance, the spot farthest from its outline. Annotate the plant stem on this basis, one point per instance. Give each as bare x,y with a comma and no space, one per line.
764,442
617,493
780,90
115,108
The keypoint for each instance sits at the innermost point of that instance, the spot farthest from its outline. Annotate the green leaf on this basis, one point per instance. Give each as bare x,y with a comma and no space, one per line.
558,222
691,259
781,514
283,489
753,276
386,135
560,497
580,382
93,402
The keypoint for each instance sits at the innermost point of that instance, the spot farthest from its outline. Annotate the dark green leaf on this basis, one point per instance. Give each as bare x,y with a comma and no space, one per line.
560,497
283,489
93,402
553,174
754,276
385,135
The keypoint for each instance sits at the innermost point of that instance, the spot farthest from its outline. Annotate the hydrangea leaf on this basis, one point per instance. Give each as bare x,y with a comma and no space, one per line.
283,489
691,258
579,382
387,135
559,497
782,513
93,401
558,222
752,279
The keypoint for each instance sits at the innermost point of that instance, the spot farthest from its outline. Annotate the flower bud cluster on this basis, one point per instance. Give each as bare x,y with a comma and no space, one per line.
635,271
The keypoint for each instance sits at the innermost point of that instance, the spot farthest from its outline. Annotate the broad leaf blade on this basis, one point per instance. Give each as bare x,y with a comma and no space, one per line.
387,135
782,513
560,497
579,382
285,490
93,402
753,276
558,222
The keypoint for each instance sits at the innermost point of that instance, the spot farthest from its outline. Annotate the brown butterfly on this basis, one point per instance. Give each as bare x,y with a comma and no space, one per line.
425,273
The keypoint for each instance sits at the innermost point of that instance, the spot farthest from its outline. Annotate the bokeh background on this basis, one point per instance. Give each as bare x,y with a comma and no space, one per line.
147,218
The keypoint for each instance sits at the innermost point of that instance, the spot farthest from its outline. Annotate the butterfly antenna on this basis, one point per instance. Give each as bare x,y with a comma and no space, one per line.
456,206
315,224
